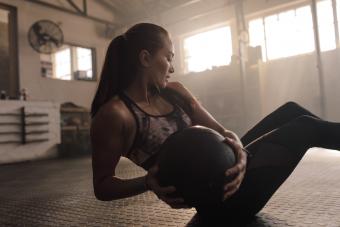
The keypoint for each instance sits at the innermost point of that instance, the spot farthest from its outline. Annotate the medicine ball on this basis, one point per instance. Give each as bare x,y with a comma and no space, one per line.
194,160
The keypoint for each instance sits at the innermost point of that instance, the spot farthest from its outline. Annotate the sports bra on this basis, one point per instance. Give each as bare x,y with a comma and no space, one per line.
152,130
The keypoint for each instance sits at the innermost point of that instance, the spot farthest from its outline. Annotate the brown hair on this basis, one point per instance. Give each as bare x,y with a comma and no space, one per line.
122,60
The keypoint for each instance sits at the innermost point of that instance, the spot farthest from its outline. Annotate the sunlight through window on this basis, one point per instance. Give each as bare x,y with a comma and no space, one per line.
69,63
63,64
291,32
338,13
208,49
84,61
326,25
256,29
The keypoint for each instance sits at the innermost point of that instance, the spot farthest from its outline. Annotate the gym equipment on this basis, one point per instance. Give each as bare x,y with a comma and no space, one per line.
194,160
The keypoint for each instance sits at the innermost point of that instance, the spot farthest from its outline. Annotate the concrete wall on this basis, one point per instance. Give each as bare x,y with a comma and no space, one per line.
11,148
331,76
290,79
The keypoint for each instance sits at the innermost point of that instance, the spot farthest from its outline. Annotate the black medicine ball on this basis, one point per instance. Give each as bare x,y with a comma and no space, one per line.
194,160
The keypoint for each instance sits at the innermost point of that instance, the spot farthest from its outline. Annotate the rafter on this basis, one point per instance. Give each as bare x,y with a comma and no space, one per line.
65,10
75,7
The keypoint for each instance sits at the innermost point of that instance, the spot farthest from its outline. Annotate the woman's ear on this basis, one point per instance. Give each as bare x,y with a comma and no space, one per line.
145,58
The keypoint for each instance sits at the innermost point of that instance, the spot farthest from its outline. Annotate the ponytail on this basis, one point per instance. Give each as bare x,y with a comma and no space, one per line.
111,79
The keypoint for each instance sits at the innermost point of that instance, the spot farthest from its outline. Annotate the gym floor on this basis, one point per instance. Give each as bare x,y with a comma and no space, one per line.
59,193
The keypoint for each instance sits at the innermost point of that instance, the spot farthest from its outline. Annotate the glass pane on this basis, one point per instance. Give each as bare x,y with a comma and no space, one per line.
286,34
256,35
304,30
84,62
63,64
272,37
326,25
208,49
4,51
46,64
289,33
338,12
68,63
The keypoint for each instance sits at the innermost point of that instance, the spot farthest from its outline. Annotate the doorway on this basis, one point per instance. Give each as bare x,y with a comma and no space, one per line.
9,78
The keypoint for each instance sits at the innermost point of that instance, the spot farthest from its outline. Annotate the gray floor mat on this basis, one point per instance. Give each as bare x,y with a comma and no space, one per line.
59,193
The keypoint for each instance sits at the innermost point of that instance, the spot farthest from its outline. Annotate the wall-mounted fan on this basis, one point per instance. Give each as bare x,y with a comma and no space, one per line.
45,36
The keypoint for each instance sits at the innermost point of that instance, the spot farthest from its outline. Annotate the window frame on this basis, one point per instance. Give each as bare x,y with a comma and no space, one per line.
286,7
73,59
271,12
183,65
14,80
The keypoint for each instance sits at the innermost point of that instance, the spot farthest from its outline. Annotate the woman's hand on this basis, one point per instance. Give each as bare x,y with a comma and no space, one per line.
238,170
163,192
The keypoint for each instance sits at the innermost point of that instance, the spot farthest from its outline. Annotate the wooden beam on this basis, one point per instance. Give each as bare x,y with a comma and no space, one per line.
85,6
65,10
75,6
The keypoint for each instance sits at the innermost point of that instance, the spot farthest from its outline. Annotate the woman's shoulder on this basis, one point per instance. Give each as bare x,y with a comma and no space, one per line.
113,110
184,92
184,97
181,89
175,85
109,131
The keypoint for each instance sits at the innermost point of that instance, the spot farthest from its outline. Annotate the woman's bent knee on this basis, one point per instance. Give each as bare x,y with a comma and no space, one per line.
291,105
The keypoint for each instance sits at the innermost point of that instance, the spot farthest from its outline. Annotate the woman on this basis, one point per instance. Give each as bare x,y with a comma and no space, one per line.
135,109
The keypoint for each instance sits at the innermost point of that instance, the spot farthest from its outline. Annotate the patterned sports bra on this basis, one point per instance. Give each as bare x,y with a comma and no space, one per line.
152,131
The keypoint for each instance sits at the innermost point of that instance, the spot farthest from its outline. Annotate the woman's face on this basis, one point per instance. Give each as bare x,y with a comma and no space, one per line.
161,64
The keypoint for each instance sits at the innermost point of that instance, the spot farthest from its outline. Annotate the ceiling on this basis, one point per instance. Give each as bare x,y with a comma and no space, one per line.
130,10
121,12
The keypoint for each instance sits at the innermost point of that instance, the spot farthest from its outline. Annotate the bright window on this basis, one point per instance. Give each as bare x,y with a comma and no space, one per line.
62,61
84,61
257,38
69,63
338,12
208,49
326,25
291,32
284,34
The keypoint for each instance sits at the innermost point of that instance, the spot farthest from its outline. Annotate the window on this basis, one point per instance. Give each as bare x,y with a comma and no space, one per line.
62,61
326,25
338,13
208,49
291,32
284,34
256,37
9,77
84,62
69,63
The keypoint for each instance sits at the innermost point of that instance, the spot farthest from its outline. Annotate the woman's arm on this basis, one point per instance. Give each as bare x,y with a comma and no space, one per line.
108,136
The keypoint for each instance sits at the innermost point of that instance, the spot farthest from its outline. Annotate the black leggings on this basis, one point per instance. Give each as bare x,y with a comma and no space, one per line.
277,144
